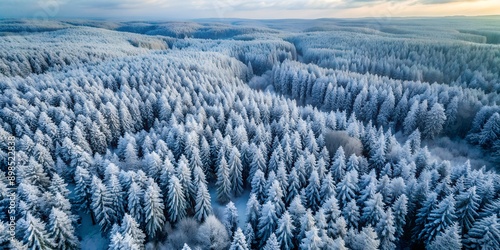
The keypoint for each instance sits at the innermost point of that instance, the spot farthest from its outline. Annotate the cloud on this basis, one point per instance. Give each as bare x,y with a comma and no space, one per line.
186,9
118,4
446,1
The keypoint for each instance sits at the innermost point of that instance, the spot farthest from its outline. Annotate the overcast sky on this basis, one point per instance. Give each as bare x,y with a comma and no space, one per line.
188,9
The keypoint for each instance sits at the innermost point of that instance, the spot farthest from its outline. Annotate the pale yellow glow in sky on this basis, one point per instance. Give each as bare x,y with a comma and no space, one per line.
385,9
474,8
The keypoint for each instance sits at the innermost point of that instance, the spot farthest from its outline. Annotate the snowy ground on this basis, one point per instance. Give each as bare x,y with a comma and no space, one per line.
90,234
456,151
240,203
459,151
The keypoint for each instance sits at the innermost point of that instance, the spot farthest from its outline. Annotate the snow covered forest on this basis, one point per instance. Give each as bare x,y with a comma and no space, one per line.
245,134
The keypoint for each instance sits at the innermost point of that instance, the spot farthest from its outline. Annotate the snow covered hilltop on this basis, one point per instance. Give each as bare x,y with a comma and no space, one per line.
249,134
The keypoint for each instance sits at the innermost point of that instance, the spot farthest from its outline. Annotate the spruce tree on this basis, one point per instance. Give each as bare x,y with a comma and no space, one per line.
35,236
83,190
484,234
253,211
239,241
235,172
131,227
223,182
62,231
467,206
135,203
176,201
153,209
440,218
267,222
102,205
313,197
230,218
203,207
400,208
284,232
449,239
272,243
386,230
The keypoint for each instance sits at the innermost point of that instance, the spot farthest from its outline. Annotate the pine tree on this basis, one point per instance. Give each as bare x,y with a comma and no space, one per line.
258,163
230,218
176,202
307,222
311,241
223,183
414,141
153,164
293,186
267,222
301,171
373,210
423,215
250,235
347,188
253,211
131,227
467,205
386,230
183,173
166,172
35,235
239,241
115,192
386,110
272,243
365,240
447,240
384,188
284,232
206,157
327,188
83,189
135,202
369,189
434,121
338,168
62,231
351,214
57,185
297,211
4,234
313,198
259,185
119,242
153,208
378,154
102,205
400,208
235,172
484,234
331,213
275,195
410,122
282,177
440,218
203,206
490,132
